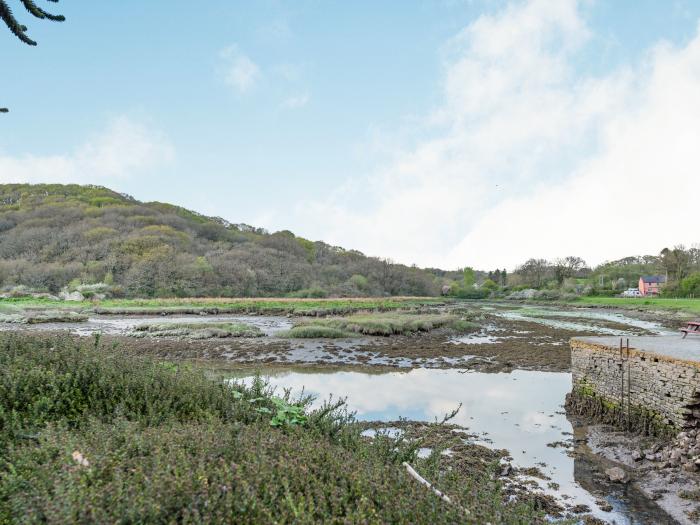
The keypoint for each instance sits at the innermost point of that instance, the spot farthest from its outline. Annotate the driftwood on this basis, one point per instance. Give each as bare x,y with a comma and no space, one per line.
427,484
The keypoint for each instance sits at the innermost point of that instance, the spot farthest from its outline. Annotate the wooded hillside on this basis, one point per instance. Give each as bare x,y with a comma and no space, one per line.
53,236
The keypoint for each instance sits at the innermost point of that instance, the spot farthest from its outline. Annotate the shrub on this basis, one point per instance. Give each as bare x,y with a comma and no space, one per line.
90,435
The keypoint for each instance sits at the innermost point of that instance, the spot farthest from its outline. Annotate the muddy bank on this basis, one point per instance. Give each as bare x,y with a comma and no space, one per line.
509,337
672,487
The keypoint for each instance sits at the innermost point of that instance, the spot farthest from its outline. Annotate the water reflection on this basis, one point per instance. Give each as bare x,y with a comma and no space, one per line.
520,411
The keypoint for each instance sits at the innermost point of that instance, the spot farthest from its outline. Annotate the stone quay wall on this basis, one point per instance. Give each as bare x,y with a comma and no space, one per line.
667,387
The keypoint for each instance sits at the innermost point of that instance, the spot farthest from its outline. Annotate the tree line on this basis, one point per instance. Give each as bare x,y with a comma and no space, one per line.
56,236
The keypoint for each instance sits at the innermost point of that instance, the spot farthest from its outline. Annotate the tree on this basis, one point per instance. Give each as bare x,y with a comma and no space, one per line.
568,267
534,272
675,262
19,30
489,285
469,277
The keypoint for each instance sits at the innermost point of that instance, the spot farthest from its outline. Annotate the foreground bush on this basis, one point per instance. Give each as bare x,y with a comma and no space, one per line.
90,435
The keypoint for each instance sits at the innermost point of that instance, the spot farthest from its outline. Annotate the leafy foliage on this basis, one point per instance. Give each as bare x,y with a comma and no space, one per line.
90,435
51,235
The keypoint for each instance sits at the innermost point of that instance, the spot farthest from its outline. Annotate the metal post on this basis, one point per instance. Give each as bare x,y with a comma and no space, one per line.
622,380
629,383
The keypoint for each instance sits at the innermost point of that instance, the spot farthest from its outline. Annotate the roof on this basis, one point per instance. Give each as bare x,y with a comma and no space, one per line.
654,278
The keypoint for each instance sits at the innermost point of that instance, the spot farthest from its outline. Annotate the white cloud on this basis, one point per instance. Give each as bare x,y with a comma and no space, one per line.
297,101
527,157
240,72
125,148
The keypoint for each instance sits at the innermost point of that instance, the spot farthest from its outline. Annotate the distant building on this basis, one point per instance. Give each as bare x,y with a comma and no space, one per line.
651,284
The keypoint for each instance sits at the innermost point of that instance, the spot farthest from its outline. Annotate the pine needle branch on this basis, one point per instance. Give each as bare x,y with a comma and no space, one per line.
15,27
20,30
40,13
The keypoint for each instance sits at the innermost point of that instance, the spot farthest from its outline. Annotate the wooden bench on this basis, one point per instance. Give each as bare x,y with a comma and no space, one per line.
693,328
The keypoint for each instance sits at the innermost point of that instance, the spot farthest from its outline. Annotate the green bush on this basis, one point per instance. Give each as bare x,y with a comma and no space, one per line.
690,285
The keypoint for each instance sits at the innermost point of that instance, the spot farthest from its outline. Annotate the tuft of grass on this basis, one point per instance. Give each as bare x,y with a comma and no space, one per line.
385,324
92,435
690,494
200,330
315,331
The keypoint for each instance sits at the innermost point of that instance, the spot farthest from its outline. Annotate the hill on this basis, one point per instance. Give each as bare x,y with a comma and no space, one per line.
54,236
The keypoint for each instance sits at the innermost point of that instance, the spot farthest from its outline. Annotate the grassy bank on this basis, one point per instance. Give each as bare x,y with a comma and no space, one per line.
386,324
93,435
651,303
270,306
199,330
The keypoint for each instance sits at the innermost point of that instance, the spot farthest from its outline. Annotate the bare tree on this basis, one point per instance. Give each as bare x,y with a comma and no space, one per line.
568,267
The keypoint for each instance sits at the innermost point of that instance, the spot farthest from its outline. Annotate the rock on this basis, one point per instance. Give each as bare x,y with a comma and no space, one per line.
637,455
506,470
616,474
691,466
604,505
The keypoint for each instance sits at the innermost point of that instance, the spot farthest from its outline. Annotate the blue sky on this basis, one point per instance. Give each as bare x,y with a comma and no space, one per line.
360,122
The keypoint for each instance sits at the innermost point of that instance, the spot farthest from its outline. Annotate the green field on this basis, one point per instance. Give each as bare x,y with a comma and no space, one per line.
651,303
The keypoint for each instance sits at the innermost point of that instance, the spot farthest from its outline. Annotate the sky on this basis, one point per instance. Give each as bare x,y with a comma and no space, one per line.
443,133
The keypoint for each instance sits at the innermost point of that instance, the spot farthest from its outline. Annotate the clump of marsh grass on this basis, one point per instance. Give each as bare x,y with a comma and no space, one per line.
380,324
12,314
199,330
316,331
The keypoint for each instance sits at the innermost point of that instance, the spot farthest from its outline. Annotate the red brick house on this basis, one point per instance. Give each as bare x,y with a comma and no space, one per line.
651,284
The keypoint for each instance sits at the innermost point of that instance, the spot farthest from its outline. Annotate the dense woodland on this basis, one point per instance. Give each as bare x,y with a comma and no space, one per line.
54,236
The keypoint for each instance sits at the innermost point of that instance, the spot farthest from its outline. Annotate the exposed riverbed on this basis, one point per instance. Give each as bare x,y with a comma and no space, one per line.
511,375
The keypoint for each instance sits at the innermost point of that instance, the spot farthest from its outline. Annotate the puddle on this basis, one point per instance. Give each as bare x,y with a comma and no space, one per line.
520,411
390,432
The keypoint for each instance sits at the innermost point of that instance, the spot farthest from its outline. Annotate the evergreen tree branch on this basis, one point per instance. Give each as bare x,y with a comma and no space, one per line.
40,13
15,27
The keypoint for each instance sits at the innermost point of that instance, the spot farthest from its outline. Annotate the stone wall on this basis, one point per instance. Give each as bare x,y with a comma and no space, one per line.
666,387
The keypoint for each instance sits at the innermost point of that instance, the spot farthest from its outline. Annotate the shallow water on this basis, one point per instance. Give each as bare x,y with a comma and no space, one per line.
520,411
113,325
540,315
